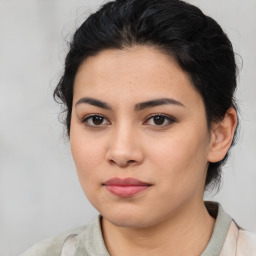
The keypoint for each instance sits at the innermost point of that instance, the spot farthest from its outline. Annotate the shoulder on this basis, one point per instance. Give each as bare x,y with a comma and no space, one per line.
246,243
87,240
239,242
52,246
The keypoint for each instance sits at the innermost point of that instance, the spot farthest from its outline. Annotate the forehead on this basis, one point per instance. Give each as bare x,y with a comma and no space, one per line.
131,74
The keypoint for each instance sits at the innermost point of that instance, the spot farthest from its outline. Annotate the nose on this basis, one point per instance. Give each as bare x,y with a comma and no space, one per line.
124,148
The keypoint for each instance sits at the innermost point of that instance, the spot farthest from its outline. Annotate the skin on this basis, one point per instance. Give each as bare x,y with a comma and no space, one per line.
169,217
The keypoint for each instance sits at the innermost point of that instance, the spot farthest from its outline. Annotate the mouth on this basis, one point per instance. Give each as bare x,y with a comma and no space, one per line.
125,187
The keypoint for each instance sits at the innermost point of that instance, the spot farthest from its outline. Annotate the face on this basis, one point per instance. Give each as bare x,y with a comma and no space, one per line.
139,136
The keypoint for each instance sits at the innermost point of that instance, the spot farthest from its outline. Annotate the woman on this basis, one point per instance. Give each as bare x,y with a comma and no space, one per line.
151,115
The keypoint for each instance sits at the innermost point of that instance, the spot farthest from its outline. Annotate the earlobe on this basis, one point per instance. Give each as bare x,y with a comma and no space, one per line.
222,134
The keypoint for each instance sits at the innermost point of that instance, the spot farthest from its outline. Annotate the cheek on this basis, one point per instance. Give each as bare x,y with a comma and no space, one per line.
182,159
88,157
87,153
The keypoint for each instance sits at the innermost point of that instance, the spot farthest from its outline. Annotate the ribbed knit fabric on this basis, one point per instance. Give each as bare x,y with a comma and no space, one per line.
220,230
88,241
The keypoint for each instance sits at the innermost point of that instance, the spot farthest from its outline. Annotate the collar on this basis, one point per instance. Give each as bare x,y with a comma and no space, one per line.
91,239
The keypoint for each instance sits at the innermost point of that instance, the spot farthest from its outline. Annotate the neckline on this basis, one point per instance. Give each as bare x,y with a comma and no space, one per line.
92,242
220,231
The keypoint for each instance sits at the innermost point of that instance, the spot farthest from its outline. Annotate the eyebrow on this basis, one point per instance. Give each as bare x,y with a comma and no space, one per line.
94,102
138,107
157,102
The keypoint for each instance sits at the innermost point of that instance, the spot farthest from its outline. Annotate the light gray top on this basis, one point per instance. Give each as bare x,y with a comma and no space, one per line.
88,241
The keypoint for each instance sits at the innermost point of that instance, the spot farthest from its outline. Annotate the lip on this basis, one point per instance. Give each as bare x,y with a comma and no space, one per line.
125,187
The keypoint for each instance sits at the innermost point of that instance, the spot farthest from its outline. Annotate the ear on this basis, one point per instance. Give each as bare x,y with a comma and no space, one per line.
222,134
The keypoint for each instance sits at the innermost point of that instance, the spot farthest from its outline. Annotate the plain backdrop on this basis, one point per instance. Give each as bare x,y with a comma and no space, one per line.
40,195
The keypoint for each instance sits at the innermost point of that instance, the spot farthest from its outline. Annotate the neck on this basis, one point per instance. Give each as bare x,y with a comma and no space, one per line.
186,233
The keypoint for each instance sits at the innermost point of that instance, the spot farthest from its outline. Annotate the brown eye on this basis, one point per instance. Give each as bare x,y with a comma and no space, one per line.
160,120
95,120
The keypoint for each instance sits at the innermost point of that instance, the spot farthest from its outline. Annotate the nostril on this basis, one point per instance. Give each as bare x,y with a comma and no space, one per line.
112,162
131,161
122,163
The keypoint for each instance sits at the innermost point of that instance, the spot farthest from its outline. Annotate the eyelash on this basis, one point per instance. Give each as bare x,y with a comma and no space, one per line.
86,118
166,117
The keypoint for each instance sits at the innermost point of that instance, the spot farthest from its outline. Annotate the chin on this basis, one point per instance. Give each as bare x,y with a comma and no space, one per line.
129,219
127,223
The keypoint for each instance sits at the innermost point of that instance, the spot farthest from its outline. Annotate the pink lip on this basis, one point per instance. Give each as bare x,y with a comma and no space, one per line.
125,187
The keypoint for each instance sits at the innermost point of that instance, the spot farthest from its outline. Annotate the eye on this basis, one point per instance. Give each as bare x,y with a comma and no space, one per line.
95,121
160,120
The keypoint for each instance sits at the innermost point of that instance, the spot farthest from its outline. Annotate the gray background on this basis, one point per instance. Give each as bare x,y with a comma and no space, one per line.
40,195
